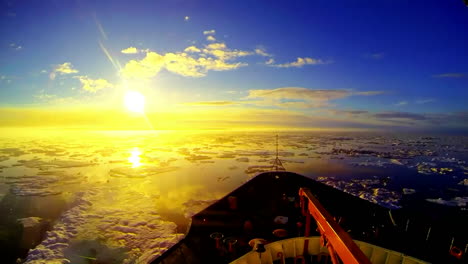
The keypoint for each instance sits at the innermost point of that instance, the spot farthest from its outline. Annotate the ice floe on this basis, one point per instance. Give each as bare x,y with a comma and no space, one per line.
408,191
368,189
50,250
457,201
463,182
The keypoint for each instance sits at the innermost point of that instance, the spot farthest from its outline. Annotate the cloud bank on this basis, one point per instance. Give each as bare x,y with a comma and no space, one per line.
193,62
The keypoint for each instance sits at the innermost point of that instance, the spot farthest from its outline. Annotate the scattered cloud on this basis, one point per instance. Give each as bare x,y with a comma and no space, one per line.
367,93
178,63
130,50
425,101
418,101
15,46
43,96
196,62
400,115
271,61
262,52
301,104
93,85
186,18
221,51
298,93
451,75
401,103
65,68
192,49
435,120
214,56
299,63
211,103
339,112
375,56
217,46
299,97
5,79
209,32
143,69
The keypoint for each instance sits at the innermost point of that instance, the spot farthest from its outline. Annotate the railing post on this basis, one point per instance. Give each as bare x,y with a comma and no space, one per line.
339,242
305,212
307,225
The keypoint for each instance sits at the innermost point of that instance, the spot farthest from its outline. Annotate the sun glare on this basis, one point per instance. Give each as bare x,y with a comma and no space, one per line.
134,158
134,102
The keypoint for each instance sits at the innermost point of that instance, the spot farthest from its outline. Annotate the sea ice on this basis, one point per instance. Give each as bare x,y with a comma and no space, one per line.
464,182
368,189
457,201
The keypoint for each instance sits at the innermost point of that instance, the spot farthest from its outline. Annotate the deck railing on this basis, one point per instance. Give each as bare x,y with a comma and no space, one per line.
339,242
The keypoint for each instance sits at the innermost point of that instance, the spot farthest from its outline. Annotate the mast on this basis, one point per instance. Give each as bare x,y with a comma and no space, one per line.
276,146
278,166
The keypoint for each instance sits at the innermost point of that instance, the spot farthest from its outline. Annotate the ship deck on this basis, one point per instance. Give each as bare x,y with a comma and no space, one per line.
270,194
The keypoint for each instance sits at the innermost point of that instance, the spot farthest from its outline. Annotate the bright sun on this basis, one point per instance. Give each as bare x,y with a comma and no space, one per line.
134,102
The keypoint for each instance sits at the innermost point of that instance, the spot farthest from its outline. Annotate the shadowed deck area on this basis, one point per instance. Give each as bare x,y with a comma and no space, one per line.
275,194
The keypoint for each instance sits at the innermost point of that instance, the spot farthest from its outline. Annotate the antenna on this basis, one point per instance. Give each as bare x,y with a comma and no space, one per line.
277,164
276,145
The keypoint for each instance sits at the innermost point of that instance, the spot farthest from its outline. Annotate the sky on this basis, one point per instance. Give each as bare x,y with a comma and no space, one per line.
318,64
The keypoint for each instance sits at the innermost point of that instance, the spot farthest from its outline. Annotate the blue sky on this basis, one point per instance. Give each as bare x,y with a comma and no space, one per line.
381,63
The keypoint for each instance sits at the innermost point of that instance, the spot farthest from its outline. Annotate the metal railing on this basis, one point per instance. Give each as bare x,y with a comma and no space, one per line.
339,243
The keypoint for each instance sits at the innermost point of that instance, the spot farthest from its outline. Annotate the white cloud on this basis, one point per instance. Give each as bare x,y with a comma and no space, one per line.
375,56
369,93
270,61
209,32
6,79
143,69
451,75
298,97
65,68
16,46
221,51
217,46
299,63
401,103
178,63
262,52
400,115
210,38
211,103
425,101
130,50
43,96
299,93
192,49
93,85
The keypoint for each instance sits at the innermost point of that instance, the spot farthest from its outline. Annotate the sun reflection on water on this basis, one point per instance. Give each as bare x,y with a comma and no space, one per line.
135,158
